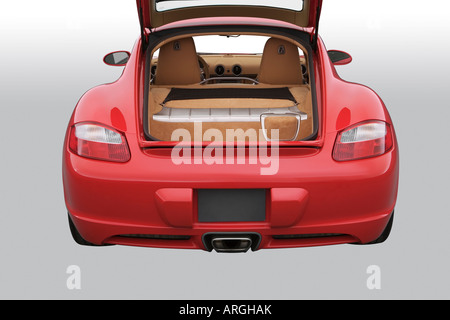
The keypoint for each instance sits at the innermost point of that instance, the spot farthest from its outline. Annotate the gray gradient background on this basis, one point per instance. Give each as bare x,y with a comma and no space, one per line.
51,53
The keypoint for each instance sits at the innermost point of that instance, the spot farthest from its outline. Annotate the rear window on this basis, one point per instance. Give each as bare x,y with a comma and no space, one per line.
167,5
244,44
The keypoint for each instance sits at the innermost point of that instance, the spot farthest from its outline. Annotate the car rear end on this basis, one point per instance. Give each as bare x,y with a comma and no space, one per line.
311,199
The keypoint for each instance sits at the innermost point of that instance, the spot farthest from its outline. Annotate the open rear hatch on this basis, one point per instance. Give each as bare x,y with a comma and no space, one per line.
302,13
156,13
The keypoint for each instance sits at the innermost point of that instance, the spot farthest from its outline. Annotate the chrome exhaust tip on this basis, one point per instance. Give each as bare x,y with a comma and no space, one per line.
231,242
231,245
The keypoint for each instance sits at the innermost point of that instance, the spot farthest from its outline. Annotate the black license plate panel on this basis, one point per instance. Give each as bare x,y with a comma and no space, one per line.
231,205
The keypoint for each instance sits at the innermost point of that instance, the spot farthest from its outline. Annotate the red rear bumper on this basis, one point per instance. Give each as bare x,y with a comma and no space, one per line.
152,202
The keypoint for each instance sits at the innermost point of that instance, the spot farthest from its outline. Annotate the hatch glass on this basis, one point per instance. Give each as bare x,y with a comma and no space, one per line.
167,5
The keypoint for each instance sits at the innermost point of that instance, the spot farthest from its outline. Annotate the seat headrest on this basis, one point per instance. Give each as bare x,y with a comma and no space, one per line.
280,64
178,63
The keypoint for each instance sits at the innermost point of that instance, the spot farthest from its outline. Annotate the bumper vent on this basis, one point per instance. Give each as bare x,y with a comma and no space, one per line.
307,236
154,237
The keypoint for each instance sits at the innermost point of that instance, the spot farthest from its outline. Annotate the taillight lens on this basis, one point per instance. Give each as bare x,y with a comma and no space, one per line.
365,140
98,142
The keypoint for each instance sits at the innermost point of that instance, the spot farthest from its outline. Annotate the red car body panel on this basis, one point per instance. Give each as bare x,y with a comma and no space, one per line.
351,202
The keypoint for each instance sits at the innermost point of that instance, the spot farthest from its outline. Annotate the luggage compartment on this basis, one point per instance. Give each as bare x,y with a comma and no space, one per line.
233,112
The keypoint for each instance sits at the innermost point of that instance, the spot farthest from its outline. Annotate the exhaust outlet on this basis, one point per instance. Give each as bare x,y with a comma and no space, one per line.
231,242
231,245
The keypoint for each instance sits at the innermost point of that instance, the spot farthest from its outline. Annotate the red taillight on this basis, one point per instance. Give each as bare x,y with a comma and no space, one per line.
98,142
365,140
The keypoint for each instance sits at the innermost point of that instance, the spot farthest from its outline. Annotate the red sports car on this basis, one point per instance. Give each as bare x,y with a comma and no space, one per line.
230,130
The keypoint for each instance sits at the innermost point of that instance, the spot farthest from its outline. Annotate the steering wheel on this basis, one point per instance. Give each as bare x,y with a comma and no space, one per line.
204,67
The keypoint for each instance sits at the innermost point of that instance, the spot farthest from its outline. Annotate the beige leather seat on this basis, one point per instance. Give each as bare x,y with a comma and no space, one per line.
178,64
280,63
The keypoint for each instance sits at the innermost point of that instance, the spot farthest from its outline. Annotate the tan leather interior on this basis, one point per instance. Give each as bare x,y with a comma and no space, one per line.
250,63
178,63
279,67
280,64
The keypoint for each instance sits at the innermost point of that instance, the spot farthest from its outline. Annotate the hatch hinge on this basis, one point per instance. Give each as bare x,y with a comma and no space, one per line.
315,34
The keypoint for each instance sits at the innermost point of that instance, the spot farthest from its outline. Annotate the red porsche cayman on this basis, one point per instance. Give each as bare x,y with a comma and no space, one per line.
230,130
